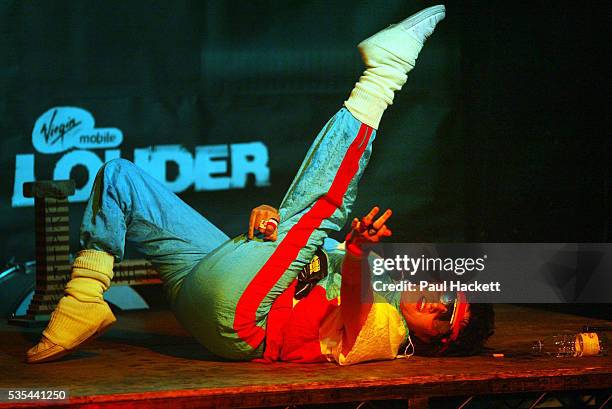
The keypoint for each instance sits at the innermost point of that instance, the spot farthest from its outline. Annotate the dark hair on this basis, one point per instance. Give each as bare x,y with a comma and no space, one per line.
471,339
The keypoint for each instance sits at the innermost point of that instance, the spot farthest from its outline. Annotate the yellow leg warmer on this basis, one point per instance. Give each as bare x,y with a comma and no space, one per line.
82,313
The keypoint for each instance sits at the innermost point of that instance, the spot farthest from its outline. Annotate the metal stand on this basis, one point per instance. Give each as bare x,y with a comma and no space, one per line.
53,263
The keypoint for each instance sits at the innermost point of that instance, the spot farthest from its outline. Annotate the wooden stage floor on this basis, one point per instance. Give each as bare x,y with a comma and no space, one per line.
148,360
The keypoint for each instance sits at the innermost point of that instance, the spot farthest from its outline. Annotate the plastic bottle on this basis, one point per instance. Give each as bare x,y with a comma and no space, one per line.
568,345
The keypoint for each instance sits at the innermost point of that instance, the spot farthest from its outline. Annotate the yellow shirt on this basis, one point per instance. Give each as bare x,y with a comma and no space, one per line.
379,339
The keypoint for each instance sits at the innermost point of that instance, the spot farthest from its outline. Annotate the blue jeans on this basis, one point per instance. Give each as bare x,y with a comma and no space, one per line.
126,203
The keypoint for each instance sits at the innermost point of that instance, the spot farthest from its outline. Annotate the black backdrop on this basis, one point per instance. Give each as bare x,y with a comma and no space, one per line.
497,136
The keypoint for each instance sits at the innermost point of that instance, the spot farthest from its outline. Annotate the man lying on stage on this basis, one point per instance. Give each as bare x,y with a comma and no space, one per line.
241,298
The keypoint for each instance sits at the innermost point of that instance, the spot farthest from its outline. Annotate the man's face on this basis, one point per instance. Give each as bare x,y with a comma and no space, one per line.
425,315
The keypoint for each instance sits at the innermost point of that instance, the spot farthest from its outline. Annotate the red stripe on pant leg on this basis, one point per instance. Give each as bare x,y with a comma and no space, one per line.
296,238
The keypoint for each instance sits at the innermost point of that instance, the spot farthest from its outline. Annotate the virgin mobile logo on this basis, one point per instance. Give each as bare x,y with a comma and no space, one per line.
63,128
71,132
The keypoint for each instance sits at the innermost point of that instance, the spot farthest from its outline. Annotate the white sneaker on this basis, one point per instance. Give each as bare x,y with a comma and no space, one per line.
422,24
403,40
388,56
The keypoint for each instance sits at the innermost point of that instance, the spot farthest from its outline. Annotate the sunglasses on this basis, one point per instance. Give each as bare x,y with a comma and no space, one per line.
443,323
450,321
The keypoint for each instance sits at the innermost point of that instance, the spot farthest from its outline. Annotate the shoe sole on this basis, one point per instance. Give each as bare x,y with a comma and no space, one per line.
411,21
65,352
422,15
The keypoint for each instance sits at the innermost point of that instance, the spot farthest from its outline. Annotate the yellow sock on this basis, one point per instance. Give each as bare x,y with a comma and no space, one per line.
82,311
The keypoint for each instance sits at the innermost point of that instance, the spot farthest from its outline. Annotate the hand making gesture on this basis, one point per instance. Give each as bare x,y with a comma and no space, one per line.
367,230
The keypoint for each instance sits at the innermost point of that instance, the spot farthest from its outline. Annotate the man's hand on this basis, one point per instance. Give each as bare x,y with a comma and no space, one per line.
367,230
356,290
264,219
